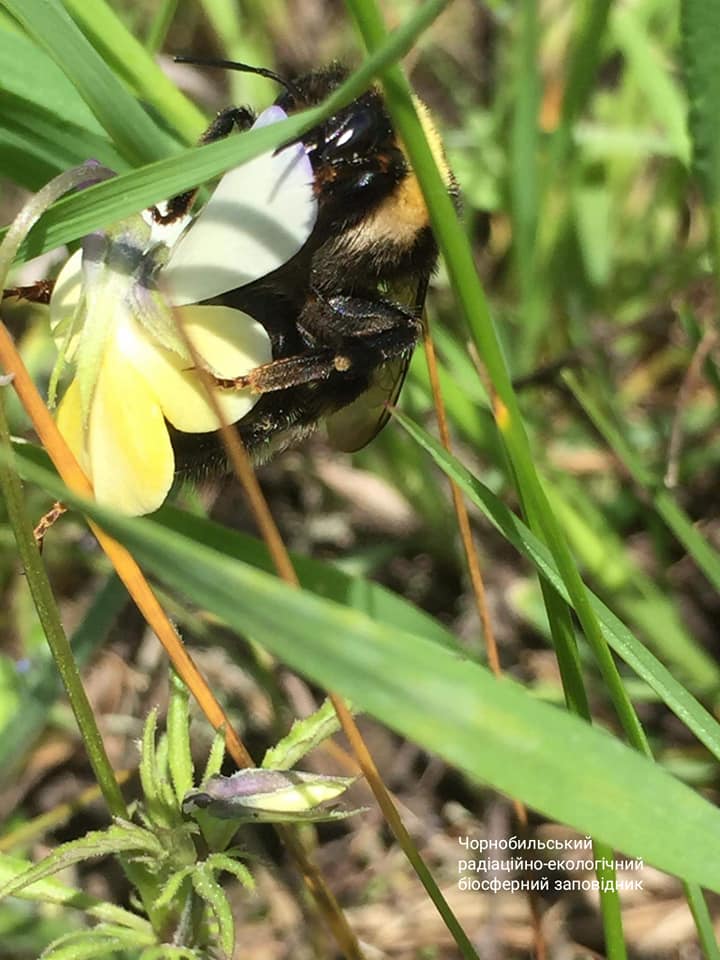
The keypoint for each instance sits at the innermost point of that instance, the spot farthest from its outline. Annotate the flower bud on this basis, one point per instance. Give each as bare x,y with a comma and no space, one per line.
268,795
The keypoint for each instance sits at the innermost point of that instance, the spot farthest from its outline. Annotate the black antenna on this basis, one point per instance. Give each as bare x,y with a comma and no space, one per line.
244,68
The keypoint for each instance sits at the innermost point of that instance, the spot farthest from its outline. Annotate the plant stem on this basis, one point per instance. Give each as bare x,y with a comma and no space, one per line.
61,650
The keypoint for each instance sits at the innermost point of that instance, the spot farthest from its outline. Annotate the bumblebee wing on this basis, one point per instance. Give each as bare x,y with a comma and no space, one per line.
355,425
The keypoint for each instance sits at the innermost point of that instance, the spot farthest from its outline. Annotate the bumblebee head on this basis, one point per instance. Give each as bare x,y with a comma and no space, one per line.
364,182
363,179
355,154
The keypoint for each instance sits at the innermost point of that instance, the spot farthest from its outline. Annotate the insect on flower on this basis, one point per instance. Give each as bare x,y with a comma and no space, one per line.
322,253
112,312
345,315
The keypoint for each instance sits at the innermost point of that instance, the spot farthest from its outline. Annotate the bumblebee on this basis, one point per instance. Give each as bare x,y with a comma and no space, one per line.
345,314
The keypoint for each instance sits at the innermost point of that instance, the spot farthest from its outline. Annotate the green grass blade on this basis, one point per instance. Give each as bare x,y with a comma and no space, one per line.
75,216
648,667
524,174
43,682
320,578
703,921
460,264
160,25
700,22
55,143
636,595
27,72
136,136
44,125
445,703
132,61
244,34
558,186
663,95
704,555
584,63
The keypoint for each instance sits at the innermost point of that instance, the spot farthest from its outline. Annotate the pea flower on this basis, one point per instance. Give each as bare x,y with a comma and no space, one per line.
112,313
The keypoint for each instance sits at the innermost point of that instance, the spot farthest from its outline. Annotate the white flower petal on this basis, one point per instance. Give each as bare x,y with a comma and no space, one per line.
230,342
259,216
270,115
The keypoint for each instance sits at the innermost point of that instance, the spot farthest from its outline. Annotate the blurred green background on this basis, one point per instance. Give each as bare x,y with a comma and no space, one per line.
566,126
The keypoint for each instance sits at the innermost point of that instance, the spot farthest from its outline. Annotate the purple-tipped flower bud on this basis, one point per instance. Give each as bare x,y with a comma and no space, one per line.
256,794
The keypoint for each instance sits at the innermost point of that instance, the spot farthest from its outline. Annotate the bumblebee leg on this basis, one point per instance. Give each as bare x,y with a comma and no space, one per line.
226,121
38,292
358,319
288,372
358,335
46,521
223,125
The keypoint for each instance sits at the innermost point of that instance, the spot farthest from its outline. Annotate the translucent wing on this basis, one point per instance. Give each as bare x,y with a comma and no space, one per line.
354,426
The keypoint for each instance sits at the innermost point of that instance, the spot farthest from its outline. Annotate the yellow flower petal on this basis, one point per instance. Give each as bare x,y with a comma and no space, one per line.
64,300
230,342
131,460
70,424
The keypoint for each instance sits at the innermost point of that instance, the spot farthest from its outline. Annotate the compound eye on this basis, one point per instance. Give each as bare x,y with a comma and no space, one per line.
357,136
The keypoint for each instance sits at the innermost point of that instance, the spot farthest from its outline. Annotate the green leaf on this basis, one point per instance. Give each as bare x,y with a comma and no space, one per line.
550,760
172,887
149,776
92,945
303,737
51,891
209,890
222,861
178,737
103,940
119,838
216,756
